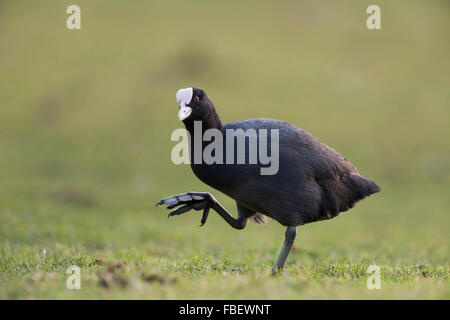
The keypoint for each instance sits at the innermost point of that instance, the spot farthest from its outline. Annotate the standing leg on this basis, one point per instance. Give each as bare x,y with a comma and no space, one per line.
289,237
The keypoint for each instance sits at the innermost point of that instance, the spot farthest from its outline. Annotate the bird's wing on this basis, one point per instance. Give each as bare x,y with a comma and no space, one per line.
318,159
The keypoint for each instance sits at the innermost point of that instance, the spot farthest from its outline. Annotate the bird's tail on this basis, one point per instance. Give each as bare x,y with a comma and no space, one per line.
360,187
341,195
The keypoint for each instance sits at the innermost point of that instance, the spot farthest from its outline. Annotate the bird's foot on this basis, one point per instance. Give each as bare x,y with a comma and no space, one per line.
189,200
276,270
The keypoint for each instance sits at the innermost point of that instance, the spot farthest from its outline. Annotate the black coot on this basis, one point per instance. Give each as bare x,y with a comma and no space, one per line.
313,181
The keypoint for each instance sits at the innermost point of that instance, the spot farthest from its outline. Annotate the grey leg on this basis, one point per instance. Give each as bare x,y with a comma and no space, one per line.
289,237
202,201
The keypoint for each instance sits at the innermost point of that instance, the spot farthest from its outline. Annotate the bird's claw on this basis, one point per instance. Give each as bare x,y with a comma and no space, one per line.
190,200
204,217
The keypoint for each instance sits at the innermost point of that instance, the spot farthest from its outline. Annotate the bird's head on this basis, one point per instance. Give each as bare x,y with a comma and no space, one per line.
194,105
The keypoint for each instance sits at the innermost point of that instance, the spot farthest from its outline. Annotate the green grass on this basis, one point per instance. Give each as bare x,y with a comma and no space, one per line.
85,124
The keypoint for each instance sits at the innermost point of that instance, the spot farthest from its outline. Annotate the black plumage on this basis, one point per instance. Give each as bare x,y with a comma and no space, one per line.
314,182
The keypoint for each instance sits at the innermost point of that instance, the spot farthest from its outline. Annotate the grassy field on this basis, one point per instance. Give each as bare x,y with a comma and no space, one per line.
85,123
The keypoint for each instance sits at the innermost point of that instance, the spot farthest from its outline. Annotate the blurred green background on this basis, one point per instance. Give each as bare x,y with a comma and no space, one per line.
85,123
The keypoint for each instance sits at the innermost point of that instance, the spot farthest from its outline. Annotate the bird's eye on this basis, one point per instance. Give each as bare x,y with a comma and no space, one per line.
196,99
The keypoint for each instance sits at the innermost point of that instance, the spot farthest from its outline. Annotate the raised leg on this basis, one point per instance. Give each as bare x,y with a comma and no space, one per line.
289,237
201,201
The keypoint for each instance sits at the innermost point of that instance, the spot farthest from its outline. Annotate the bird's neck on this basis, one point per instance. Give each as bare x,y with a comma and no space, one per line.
214,122
197,145
197,131
211,122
